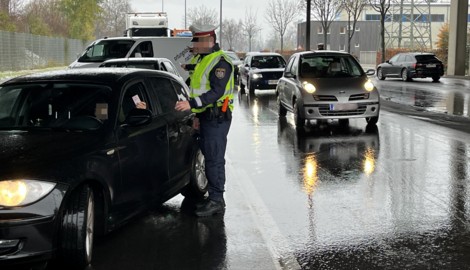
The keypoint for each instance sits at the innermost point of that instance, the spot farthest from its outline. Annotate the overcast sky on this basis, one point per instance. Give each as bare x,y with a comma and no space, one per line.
230,9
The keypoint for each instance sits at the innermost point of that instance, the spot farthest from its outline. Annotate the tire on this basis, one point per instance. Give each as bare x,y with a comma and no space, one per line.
372,120
77,229
380,74
198,184
436,78
282,110
298,119
242,86
404,75
251,88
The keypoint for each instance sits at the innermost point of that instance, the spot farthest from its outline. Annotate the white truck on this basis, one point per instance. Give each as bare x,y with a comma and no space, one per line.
134,44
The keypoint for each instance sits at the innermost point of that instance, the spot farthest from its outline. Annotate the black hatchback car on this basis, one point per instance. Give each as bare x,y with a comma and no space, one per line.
411,65
78,158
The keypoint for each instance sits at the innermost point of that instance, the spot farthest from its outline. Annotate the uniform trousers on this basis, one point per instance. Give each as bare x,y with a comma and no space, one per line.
213,143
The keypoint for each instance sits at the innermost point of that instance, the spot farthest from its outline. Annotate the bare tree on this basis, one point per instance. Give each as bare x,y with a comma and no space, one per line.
325,12
202,15
11,7
250,26
112,18
353,9
231,31
382,7
280,13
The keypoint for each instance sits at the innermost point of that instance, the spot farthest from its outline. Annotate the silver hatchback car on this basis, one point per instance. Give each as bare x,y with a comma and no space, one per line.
320,85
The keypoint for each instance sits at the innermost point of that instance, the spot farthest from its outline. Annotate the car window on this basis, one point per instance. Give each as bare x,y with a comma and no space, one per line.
233,56
170,68
268,61
144,49
426,58
106,49
401,58
163,89
53,105
133,95
333,66
395,58
290,63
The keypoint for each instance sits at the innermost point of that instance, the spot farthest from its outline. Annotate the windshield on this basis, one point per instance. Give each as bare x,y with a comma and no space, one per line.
54,105
268,61
106,49
329,66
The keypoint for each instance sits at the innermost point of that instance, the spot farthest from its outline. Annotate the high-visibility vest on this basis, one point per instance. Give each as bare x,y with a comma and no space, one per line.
194,60
200,80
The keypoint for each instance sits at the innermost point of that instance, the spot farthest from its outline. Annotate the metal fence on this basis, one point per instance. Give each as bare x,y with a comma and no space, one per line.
21,51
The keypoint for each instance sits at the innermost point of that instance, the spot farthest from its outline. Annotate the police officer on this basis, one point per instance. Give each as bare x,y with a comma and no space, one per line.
212,85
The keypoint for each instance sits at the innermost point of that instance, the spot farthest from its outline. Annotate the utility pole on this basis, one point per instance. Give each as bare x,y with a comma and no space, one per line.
307,34
184,14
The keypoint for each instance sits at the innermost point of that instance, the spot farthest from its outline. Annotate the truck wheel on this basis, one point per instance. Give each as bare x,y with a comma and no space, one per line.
77,229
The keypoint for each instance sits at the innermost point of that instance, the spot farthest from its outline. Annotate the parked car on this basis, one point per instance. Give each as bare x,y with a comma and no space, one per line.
325,85
411,65
78,158
261,70
163,64
235,61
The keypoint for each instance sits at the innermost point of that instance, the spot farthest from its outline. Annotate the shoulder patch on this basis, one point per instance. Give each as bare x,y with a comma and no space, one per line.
220,73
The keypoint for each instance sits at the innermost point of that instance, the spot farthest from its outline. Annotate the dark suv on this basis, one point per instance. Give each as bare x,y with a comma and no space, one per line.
411,65
261,70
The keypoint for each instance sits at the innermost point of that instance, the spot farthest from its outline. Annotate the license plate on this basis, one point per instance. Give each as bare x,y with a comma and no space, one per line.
343,107
272,81
431,65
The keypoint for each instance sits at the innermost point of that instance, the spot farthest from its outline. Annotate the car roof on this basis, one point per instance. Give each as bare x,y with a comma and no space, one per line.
136,59
322,52
95,75
262,53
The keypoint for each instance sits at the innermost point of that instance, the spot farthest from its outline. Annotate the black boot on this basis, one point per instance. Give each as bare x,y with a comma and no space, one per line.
210,208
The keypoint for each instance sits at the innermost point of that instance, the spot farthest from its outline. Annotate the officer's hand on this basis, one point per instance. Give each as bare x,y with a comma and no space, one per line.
183,66
182,105
141,105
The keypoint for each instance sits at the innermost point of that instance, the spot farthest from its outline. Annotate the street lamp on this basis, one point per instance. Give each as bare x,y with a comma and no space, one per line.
184,14
162,4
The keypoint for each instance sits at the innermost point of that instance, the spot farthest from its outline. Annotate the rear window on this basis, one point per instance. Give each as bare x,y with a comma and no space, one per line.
425,58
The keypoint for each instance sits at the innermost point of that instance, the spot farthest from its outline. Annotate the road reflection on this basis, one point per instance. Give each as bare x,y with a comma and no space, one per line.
342,152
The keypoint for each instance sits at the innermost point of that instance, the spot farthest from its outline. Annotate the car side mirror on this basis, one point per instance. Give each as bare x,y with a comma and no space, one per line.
289,74
138,117
388,62
246,65
370,72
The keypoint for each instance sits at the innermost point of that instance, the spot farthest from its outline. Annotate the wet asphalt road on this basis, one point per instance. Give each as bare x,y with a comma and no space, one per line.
395,196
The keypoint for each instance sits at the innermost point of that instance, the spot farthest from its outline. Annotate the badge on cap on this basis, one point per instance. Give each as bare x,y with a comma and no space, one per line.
220,73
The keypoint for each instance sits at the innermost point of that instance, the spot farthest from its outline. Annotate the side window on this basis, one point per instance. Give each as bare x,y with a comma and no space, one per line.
409,59
181,92
295,66
134,96
401,59
163,90
247,60
144,49
290,63
170,68
395,58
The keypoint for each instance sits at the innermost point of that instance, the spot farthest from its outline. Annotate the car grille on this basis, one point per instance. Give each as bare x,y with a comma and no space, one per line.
272,75
359,96
324,98
324,110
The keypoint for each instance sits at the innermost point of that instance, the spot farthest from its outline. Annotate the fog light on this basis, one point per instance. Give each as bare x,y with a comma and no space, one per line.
310,111
9,243
373,109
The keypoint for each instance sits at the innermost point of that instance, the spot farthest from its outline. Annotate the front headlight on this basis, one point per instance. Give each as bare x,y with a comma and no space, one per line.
369,86
257,76
310,88
22,192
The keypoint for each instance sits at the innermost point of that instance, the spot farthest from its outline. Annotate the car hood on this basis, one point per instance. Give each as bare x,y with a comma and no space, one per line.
21,149
263,70
346,83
